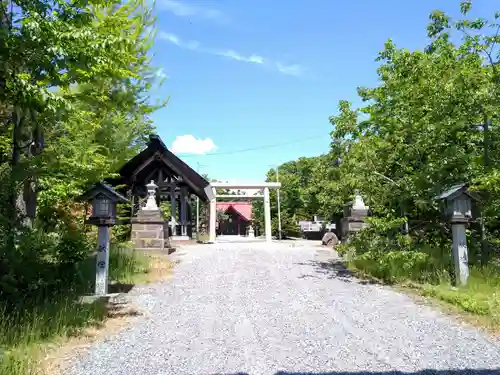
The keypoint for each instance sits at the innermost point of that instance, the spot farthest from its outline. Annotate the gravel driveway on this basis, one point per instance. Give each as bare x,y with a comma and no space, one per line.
252,308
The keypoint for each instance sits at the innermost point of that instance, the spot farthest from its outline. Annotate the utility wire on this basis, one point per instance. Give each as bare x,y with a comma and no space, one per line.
255,148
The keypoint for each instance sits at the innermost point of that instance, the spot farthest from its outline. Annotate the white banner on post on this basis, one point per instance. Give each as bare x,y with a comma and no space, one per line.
102,262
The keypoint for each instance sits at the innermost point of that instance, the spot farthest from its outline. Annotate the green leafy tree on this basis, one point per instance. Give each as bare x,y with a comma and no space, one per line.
74,82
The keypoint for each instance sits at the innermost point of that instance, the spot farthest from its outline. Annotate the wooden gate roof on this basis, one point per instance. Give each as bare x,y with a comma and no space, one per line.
157,154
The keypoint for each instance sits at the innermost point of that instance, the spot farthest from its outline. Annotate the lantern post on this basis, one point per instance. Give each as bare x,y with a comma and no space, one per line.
104,200
458,209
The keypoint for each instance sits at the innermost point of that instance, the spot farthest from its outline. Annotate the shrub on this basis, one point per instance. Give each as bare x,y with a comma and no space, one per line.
42,304
384,253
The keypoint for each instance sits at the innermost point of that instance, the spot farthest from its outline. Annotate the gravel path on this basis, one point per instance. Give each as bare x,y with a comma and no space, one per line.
251,308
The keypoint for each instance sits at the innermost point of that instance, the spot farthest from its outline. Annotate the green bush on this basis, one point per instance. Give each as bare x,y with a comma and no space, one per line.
383,252
289,227
43,303
41,264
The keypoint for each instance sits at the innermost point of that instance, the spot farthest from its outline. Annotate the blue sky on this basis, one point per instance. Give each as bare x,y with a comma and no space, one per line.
249,74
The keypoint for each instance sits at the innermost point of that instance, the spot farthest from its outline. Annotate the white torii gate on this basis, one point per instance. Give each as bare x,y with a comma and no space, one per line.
212,195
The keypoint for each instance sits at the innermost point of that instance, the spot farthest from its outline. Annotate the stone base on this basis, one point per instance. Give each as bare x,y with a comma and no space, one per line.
351,225
355,212
150,231
180,238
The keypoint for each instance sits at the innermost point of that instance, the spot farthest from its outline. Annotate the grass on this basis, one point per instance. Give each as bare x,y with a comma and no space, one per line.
25,333
480,298
478,302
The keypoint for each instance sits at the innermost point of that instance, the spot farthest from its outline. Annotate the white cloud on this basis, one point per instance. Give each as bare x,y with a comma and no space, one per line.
188,144
293,70
160,73
174,39
256,59
194,45
181,9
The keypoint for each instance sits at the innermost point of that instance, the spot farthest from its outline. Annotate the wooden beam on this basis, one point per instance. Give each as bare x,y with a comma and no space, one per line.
142,166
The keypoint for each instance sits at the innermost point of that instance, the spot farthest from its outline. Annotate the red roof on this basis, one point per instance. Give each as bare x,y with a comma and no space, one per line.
243,208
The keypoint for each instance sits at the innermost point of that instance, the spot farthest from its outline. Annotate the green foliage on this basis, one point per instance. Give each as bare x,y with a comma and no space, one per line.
289,227
74,106
432,121
60,314
166,209
125,264
402,265
304,192
221,216
381,251
21,332
82,104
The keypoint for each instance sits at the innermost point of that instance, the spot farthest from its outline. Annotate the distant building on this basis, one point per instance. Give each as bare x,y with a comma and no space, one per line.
238,220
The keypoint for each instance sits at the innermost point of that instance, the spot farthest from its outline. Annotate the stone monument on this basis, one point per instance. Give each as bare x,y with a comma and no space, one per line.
354,219
149,229
251,233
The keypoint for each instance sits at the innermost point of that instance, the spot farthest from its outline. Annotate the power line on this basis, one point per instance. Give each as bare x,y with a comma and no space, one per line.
255,148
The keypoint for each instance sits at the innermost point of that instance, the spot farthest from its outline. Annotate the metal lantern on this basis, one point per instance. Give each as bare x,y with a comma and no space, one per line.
104,200
459,207
458,203
102,207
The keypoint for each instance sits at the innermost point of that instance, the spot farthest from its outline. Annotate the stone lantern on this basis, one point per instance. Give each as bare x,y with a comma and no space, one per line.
251,232
151,200
458,209
149,230
354,219
104,200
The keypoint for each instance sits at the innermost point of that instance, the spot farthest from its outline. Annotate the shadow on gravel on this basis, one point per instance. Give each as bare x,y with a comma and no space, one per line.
423,372
120,287
333,269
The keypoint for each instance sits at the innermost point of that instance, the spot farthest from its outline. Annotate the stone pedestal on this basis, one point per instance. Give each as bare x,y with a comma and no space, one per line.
150,231
355,214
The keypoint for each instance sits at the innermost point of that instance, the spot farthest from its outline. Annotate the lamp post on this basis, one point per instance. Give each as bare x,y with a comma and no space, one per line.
104,200
458,203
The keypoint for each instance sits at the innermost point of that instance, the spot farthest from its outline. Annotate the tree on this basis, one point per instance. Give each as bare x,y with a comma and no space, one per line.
101,49
302,183
431,122
74,79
